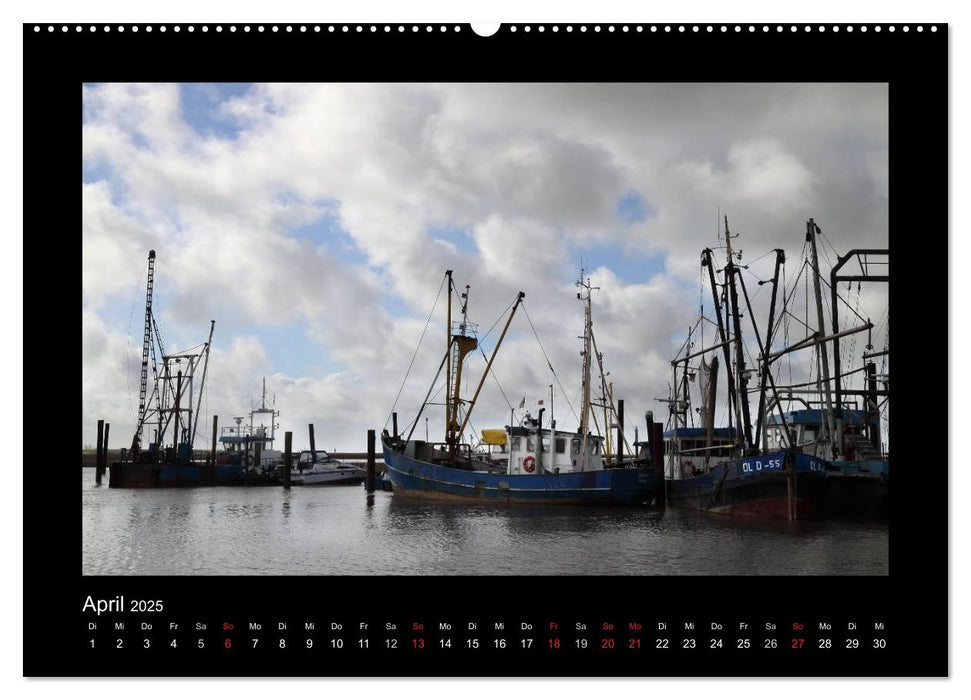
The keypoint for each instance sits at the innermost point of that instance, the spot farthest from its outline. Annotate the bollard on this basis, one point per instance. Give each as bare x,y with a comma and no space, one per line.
369,481
287,445
100,453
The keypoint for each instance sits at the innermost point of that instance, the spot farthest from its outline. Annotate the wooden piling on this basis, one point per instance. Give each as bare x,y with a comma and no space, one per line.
212,453
369,481
394,424
100,453
620,431
104,454
313,446
287,454
657,456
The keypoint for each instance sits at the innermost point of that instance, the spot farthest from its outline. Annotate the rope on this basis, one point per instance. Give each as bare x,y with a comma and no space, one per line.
412,363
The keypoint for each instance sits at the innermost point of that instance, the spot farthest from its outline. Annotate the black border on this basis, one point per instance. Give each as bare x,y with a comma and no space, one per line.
912,601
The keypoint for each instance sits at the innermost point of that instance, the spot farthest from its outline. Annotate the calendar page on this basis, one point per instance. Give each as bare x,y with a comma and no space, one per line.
515,350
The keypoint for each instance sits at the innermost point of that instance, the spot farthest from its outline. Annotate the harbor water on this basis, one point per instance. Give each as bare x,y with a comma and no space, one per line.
334,530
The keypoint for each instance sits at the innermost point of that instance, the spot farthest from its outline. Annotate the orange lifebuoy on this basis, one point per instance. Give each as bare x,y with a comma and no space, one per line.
529,464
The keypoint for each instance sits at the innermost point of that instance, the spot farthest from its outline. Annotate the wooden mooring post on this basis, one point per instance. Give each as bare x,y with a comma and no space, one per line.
104,452
287,455
313,446
620,432
211,465
394,424
100,452
215,430
369,480
657,457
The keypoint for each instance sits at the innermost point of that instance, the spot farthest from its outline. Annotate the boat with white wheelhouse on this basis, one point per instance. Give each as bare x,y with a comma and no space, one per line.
544,465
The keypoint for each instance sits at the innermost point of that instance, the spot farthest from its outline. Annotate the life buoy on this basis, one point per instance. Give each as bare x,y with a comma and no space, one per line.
529,464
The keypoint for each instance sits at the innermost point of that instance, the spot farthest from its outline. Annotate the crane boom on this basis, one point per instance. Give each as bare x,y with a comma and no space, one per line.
146,349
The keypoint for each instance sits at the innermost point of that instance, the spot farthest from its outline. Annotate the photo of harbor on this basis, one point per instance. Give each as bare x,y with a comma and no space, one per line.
485,329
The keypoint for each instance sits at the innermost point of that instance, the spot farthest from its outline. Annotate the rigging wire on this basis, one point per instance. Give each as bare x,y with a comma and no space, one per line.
548,363
415,354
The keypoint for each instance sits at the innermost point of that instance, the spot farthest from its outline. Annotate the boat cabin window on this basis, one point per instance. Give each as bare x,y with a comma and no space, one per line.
546,444
809,434
575,447
514,443
530,444
561,445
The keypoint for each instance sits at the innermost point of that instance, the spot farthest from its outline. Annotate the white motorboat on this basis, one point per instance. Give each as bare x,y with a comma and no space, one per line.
324,470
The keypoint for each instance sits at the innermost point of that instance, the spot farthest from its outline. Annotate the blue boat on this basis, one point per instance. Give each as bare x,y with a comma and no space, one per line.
425,470
822,461
787,484
859,478
544,465
148,474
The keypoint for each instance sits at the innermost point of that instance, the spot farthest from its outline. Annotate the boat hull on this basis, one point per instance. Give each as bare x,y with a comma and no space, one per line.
337,477
420,479
775,485
163,474
858,490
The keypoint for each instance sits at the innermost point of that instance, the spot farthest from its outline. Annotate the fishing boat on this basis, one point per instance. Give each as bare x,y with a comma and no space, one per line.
317,468
724,470
171,410
832,418
251,444
858,481
544,465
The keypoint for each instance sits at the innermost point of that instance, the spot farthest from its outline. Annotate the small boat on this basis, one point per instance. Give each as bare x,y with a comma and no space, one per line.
320,469
544,465
252,445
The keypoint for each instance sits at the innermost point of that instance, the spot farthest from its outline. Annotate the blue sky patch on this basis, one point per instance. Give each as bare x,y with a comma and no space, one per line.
460,237
201,107
632,208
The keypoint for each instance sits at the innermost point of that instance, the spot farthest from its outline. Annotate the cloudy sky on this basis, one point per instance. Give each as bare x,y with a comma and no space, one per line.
314,223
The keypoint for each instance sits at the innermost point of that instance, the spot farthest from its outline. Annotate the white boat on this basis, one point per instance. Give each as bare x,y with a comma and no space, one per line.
324,470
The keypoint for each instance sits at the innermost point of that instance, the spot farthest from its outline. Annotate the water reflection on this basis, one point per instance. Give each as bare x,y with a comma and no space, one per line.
340,531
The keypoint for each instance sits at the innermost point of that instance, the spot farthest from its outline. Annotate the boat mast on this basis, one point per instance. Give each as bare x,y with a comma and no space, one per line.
706,261
146,349
731,270
485,373
463,345
448,353
202,385
780,258
587,333
811,231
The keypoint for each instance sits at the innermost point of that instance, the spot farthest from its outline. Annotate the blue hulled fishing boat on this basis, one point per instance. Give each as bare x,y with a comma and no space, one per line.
544,465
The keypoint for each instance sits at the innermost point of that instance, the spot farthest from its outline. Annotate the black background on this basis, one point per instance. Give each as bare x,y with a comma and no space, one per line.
911,601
